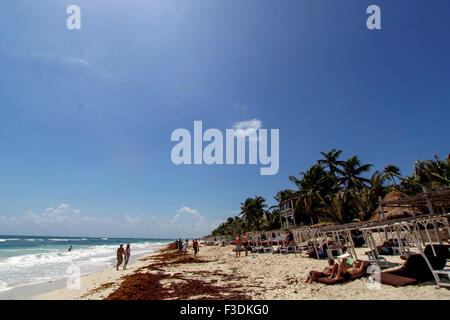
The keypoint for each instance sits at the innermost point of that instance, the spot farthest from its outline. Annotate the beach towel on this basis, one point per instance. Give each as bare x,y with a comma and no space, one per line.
416,268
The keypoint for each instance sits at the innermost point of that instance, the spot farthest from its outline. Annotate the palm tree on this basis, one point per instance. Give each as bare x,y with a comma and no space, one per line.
435,173
315,184
427,174
252,210
337,207
392,172
351,173
331,161
284,195
366,199
271,220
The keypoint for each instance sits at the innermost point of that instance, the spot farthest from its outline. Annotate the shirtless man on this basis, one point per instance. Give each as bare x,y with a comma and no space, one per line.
245,244
329,271
290,239
238,246
345,273
195,247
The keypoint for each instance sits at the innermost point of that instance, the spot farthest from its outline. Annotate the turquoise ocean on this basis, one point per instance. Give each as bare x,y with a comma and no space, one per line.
34,259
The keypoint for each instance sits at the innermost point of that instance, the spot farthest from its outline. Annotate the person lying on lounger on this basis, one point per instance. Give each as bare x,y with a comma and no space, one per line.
386,248
329,271
347,273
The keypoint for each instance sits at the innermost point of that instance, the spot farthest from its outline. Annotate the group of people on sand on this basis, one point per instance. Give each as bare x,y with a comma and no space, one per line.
123,254
337,270
182,247
241,245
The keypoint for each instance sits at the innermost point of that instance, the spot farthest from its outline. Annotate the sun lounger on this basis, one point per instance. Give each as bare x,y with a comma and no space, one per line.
288,249
416,268
336,251
255,249
442,250
379,261
266,247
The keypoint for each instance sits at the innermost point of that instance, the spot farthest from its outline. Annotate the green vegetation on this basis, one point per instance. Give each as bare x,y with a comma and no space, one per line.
338,191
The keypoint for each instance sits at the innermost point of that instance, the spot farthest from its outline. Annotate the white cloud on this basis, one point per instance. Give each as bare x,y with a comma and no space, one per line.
247,128
191,217
66,221
65,60
188,210
175,218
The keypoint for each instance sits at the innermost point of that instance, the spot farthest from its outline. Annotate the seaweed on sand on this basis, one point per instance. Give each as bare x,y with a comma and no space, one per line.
148,286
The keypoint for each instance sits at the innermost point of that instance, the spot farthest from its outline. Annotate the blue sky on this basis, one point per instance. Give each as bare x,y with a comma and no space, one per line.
86,115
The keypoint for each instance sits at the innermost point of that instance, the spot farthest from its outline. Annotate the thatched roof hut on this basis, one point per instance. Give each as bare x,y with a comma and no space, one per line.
394,212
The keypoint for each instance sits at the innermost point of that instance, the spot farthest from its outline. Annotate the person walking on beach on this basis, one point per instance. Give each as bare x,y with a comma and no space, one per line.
245,244
127,256
120,253
180,247
195,246
290,238
185,246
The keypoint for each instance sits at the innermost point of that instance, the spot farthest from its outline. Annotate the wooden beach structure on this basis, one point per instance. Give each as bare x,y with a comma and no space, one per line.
287,213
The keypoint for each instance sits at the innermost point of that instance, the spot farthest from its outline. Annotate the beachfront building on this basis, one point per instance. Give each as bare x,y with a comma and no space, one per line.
287,214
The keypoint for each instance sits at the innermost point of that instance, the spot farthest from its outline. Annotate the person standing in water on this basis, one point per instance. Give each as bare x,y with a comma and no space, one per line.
120,253
127,256
70,248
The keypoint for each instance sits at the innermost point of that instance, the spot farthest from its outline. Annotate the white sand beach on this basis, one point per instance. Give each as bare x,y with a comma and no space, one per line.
262,276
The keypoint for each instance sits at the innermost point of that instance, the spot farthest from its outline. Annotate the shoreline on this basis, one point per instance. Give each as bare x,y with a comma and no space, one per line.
30,290
222,276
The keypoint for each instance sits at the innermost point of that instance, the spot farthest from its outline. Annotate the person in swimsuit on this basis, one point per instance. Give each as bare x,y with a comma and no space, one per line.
195,246
185,246
290,238
120,253
343,272
238,246
329,271
127,256
245,244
